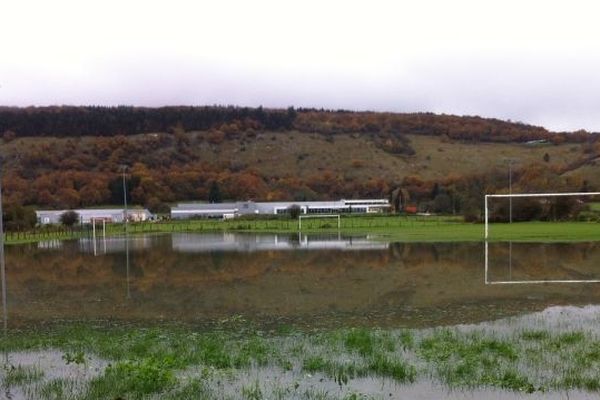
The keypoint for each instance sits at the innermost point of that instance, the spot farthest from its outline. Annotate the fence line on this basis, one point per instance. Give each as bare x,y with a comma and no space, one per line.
208,225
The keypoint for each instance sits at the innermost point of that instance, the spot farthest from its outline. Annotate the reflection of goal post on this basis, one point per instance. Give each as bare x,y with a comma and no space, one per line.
486,236
487,196
301,217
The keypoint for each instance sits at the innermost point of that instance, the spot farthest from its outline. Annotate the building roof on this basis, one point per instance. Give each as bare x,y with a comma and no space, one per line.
94,211
205,206
260,205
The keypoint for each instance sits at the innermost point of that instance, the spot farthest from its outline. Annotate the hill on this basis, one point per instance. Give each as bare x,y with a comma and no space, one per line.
279,154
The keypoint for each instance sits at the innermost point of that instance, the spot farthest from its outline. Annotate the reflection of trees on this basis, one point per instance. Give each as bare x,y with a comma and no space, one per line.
119,265
217,259
419,276
547,260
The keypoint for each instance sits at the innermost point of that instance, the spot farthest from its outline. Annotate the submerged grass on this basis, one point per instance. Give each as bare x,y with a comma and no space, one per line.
134,379
180,362
20,375
64,389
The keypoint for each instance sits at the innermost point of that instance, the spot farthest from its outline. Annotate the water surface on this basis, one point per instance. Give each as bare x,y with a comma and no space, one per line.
311,281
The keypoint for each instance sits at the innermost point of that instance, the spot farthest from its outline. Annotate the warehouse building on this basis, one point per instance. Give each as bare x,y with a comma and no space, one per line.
232,210
86,216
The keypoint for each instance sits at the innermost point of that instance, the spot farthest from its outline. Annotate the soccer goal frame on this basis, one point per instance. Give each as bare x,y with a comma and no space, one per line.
301,217
490,196
486,237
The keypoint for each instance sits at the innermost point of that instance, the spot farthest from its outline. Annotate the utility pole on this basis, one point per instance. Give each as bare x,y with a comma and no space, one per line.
510,162
124,168
126,216
510,191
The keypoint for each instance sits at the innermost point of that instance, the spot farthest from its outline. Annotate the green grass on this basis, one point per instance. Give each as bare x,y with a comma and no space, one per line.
134,378
395,228
518,232
146,362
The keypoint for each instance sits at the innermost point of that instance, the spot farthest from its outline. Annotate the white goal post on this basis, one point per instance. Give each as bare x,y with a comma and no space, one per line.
487,196
301,217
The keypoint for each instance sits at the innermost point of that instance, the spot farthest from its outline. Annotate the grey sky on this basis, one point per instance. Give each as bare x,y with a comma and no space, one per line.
530,61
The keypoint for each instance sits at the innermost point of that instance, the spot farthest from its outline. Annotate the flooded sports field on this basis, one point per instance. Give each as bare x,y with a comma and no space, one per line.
300,316
311,281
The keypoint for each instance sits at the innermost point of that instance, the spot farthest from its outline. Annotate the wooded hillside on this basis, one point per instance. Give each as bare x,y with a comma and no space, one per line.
72,156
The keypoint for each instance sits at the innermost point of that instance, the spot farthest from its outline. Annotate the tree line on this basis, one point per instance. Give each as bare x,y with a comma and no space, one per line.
77,121
452,127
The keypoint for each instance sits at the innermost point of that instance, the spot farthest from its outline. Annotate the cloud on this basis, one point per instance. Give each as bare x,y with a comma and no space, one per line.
530,61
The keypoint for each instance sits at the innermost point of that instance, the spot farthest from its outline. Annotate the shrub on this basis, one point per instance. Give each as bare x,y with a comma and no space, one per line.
69,218
294,211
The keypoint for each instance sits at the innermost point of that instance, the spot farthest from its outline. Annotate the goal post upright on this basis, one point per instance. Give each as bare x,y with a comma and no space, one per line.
486,216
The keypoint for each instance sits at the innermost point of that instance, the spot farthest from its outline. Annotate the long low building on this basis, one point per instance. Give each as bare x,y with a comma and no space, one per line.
232,210
86,215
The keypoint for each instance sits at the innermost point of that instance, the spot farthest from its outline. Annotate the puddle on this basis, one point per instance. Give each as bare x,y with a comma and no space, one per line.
49,366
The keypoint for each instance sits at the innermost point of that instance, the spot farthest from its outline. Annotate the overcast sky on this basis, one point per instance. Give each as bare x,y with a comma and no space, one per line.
531,61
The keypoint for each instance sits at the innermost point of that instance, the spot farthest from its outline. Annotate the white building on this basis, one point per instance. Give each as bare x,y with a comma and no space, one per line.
45,217
229,210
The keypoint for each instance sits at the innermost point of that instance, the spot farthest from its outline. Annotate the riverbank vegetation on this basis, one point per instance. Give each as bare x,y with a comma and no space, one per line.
236,360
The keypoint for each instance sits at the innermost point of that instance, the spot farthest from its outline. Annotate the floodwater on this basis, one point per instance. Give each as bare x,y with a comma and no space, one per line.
306,281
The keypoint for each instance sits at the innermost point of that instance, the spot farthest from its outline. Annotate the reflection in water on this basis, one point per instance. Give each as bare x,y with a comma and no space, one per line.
240,242
54,244
114,244
533,266
3,278
200,243
3,275
316,281
127,259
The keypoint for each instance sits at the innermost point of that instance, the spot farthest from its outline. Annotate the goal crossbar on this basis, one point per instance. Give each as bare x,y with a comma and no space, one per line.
544,194
339,223
488,196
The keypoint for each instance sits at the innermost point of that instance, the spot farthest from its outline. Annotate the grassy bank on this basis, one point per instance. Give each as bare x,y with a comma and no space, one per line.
398,228
237,361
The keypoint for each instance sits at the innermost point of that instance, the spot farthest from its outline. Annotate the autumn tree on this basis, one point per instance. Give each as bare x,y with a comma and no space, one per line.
17,218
